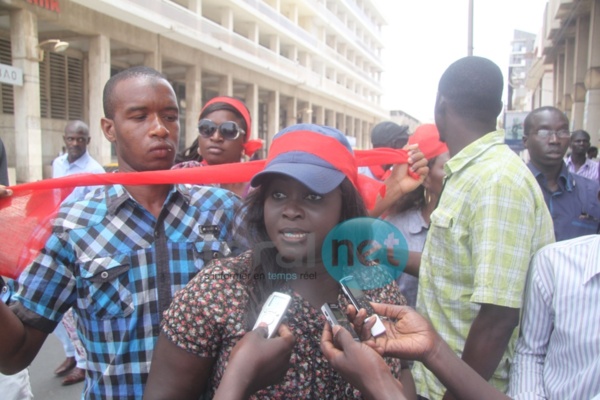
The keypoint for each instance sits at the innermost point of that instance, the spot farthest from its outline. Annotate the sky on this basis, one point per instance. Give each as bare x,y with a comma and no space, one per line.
423,37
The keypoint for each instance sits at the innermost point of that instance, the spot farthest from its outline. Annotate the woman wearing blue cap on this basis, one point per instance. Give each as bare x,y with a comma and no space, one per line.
308,186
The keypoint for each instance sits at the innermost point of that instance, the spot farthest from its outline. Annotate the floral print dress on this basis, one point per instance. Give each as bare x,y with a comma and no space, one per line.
207,318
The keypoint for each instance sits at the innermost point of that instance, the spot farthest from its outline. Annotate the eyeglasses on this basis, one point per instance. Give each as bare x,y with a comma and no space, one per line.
78,140
228,130
546,133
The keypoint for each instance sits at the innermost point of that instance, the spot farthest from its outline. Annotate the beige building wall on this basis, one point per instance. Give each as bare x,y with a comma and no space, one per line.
310,61
567,72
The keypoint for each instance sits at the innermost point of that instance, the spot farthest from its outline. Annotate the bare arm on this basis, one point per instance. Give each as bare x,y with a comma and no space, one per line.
19,343
488,338
175,373
255,363
412,337
360,365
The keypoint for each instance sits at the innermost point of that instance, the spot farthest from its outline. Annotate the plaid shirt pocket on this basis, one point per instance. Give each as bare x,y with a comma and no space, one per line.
106,287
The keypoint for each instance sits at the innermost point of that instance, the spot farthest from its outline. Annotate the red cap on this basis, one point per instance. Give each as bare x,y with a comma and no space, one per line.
428,139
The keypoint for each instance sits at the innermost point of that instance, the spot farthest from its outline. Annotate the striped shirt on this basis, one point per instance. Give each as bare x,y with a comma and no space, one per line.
558,353
118,267
588,170
490,220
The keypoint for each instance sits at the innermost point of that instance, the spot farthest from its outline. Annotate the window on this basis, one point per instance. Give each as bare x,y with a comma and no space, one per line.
61,87
7,105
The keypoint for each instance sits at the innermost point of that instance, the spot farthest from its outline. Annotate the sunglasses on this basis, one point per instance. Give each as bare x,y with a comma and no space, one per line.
228,130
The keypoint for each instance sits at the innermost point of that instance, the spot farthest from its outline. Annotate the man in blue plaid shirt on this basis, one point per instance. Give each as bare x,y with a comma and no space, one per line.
119,255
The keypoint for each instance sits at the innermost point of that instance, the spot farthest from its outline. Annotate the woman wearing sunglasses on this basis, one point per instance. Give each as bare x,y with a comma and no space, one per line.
224,129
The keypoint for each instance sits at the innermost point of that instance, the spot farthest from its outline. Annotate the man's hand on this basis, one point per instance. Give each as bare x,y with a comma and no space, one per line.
362,367
256,362
400,179
400,182
5,191
409,337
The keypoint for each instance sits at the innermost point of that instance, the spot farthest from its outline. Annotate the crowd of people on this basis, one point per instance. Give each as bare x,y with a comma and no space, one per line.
165,282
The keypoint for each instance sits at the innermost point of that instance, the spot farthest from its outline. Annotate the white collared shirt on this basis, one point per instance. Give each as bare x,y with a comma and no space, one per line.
558,353
84,164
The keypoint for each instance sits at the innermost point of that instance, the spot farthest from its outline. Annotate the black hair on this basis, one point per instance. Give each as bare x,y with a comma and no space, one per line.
190,153
529,118
265,256
581,132
109,88
473,86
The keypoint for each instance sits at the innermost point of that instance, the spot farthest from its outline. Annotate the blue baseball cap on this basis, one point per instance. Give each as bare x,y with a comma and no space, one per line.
312,171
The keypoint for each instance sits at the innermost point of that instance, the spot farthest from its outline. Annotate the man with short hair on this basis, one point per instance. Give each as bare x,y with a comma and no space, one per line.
385,134
578,162
571,198
76,160
490,220
119,255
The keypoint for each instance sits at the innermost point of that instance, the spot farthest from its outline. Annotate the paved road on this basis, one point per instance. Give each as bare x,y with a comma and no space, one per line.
44,384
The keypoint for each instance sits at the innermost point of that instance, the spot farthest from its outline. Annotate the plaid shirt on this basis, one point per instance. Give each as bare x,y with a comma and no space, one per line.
490,221
118,267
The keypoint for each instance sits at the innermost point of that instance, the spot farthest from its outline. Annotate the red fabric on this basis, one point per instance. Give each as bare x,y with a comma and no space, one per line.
251,146
26,216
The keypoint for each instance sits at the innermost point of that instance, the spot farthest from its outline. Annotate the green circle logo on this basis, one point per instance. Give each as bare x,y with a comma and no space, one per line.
371,250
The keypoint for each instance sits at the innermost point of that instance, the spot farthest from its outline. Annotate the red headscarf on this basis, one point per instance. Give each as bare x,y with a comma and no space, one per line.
250,145
428,139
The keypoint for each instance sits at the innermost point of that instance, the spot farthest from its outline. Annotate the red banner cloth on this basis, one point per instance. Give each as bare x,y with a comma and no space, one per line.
26,217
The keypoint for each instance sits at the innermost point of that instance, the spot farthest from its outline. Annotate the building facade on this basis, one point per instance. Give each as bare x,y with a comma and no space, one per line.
289,60
567,72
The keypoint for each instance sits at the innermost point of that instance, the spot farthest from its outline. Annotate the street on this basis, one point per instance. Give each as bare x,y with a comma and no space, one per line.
44,384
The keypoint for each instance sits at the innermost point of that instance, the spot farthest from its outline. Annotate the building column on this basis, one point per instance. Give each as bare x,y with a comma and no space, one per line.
320,115
226,85
559,67
591,116
227,18
253,32
291,111
359,134
154,58
27,116
98,75
582,32
273,117
252,104
568,82
341,122
274,44
330,118
195,6
193,102
350,126
367,127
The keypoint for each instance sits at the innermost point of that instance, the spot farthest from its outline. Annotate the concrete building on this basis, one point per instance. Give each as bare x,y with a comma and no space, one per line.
567,73
289,60
521,58
402,118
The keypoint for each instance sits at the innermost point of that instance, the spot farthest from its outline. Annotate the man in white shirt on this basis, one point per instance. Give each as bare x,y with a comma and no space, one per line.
76,160
558,353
